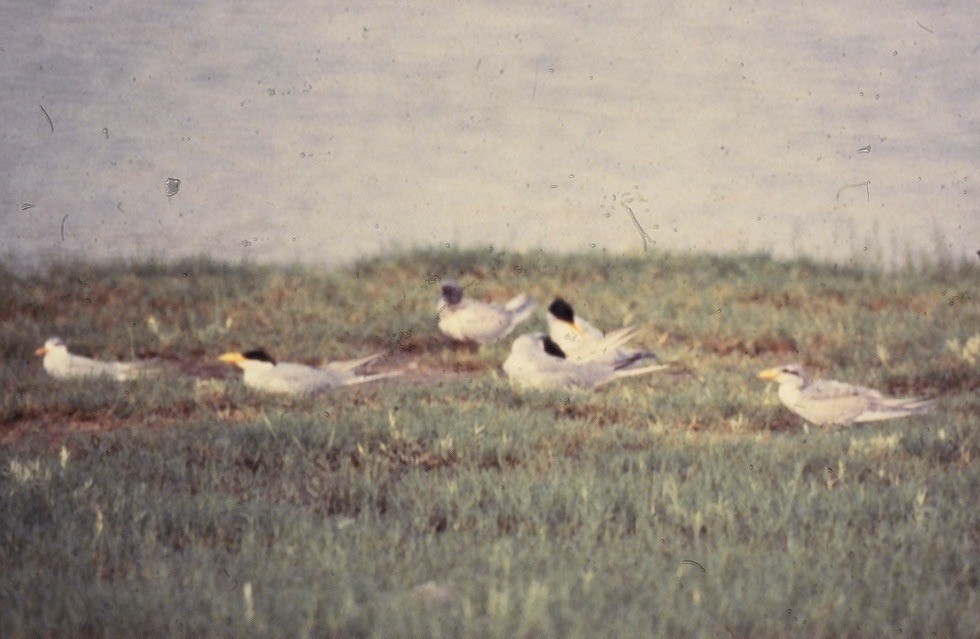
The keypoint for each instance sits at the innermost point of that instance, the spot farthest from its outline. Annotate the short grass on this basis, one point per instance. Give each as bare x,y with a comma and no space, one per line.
688,504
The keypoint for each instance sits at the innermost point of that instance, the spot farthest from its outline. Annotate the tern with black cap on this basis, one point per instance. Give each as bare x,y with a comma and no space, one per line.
264,373
583,342
467,320
536,361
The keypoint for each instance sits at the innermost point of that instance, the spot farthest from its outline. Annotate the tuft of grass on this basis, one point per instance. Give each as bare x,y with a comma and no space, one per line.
444,503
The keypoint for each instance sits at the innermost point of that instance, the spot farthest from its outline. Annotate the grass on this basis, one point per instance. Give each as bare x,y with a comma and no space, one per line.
688,504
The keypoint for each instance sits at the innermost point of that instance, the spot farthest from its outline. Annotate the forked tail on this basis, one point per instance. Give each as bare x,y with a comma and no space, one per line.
641,370
360,379
630,372
901,407
351,364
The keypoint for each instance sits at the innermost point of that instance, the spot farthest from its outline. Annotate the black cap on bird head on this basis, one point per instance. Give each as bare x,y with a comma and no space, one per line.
562,310
452,292
259,355
551,348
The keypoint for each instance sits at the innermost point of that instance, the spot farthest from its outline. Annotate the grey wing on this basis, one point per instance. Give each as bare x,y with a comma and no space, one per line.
85,367
633,357
306,379
604,350
890,407
483,322
831,402
127,371
831,389
589,375
350,364
345,375
543,371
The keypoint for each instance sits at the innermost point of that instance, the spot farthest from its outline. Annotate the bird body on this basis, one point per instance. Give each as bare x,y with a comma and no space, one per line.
61,364
583,342
466,320
536,361
828,402
263,373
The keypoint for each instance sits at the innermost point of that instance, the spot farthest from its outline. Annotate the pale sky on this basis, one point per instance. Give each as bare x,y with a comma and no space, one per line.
319,131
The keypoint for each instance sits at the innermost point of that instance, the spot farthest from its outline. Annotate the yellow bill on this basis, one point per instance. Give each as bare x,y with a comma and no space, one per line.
231,357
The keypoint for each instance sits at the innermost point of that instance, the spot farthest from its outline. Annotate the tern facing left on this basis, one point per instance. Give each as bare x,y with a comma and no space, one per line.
536,361
266,374
61,364
827,402
466,320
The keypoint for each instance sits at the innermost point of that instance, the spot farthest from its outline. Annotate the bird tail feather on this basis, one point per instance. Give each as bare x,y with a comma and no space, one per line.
360,379
352,364
144,368
629,358
607,344
642,370
898,408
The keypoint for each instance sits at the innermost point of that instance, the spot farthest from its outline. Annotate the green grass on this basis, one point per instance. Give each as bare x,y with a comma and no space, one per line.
689,504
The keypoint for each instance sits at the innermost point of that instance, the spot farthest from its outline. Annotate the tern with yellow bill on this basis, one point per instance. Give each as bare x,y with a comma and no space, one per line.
583,342
536,361
61,364
827,402
266,374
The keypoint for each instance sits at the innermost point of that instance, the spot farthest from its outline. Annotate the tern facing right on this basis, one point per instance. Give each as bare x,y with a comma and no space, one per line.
536,361
827,402
580,339
61,364
466,320
266,374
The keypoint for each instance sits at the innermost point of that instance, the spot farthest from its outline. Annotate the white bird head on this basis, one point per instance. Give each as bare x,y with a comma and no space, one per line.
791,374
52,345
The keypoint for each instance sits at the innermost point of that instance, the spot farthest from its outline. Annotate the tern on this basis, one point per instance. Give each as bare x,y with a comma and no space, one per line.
61,364
583,342
827,402
266,374
536,361
466,320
